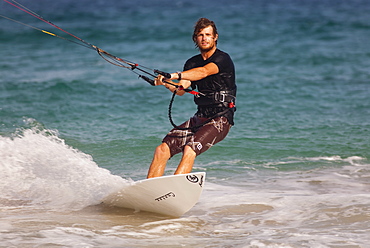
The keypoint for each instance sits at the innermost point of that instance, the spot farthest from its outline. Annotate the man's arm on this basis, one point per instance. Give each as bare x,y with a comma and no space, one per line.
194,74
197,73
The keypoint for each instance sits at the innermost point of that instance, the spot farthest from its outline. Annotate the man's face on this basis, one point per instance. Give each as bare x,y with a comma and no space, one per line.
205,39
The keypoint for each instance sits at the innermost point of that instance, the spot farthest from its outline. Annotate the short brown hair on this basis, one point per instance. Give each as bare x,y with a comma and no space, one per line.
201,24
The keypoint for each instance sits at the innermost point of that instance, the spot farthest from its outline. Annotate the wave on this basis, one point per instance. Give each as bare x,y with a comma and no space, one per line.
37,168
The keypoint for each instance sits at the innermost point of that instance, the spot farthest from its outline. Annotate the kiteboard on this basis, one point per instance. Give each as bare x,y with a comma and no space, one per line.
167,195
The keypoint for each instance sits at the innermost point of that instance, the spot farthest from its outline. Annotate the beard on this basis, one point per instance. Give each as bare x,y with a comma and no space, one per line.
207,48
204,50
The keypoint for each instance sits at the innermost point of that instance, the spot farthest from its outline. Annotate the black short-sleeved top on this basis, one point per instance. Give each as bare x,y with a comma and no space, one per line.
224,80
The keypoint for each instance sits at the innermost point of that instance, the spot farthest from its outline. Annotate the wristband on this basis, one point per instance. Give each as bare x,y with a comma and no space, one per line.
179,75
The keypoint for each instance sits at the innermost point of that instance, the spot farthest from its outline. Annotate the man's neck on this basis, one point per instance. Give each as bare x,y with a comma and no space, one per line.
207,54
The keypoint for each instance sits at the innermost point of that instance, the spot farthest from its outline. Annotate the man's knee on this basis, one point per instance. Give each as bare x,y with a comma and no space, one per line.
163,150
189,151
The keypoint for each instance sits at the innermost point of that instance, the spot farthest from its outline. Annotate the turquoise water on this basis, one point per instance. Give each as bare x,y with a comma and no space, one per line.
293,172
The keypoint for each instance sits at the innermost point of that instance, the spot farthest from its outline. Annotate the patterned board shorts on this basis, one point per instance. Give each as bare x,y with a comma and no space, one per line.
201,139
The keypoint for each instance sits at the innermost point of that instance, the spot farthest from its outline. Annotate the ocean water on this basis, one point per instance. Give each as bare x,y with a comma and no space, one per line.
293,172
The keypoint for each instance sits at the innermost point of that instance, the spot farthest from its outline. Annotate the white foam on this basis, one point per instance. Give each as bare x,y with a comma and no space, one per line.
294,205
38,168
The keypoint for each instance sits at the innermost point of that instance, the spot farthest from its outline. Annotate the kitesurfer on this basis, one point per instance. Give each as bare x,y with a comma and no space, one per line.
212,73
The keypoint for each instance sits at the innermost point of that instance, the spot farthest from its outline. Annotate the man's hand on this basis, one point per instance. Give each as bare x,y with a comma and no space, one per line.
171,85
159,80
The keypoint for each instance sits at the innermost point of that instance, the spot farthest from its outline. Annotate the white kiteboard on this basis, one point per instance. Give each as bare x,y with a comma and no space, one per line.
167,195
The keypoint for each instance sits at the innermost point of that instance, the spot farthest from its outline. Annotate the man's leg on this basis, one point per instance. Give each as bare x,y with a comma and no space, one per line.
161,156
187,161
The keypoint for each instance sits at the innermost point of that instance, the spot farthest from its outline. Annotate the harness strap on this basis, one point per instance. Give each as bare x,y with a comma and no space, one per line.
222,96
213,98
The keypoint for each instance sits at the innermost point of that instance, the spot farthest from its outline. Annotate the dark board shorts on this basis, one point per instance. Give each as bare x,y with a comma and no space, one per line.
201,139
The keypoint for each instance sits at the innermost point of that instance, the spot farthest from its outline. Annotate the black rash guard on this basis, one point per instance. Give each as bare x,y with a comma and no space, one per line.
223,81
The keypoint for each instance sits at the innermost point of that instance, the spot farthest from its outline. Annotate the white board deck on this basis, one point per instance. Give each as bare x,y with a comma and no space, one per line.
167,195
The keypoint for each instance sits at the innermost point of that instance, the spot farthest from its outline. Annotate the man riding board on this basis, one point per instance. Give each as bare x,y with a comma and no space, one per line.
212,73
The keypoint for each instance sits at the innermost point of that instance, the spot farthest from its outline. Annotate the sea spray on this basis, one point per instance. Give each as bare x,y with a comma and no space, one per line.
37,168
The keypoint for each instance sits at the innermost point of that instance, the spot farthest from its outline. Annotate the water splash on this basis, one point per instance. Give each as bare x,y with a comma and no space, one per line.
37,168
